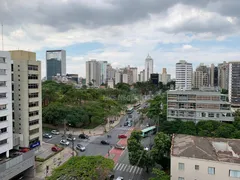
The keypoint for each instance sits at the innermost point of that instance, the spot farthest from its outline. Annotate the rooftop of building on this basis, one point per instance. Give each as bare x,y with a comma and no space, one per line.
196,92
214,149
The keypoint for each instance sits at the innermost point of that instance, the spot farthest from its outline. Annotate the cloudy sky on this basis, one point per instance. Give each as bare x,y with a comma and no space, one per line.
123,32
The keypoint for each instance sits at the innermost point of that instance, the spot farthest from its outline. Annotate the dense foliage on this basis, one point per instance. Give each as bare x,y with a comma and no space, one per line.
159,175
84,167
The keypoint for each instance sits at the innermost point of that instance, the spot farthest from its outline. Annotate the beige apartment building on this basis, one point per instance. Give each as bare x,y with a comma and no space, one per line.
202,158
27,88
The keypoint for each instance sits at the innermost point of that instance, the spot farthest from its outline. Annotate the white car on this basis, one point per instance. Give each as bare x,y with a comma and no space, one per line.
64,142
55,132
71,138
119,178
80,147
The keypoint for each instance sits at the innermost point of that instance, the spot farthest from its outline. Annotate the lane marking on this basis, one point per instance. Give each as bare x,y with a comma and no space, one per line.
125,167
137,170
119,166
140,171
128,168
134,169
115,166
131,169
122,167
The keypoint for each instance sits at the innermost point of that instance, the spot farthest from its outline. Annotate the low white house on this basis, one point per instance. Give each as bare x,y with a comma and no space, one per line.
202,158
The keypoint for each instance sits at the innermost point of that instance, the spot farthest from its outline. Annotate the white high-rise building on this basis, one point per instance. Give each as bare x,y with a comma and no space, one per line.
92,73
117,76
148,68
134,74
6,132
125,78
184,73
27,98
142,76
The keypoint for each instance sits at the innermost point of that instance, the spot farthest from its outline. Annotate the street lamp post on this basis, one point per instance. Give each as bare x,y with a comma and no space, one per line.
161,107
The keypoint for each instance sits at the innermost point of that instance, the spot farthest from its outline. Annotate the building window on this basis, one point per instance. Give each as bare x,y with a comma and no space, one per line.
180,166
2,107
3,118
33,67
33,95
34,131
33,86
196,167
33,104
3,95
210,114
32,76
180,178
211,170
217,115
2,83
2,71
33,113
12,67
234,173
2,60
3,142
3,130
31,123
203,114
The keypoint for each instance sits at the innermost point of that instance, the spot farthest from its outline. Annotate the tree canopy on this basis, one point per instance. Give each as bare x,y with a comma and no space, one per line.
84,168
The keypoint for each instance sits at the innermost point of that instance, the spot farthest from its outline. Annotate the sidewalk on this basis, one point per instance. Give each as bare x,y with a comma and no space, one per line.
97,131
52,163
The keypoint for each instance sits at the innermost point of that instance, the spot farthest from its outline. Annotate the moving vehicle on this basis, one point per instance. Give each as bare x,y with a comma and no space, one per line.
122,136
64,142
148,131
55,132
136,106
49,136
71,138
130,110
104,142
117,146
56,149
83,136
80,147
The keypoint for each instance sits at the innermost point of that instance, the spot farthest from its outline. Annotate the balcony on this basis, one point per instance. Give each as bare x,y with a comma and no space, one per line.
35,126
33,117
33,136
33,99
16,140
17,164
36,108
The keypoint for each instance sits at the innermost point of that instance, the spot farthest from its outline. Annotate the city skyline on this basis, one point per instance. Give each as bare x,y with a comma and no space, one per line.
197,32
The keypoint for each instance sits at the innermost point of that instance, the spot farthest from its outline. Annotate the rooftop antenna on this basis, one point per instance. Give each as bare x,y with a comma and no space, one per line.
2,38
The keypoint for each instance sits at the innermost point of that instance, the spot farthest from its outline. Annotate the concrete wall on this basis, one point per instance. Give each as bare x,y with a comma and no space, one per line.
189,172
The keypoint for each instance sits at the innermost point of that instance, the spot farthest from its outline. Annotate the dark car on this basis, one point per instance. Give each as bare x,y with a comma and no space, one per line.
83,136
104,142
125,124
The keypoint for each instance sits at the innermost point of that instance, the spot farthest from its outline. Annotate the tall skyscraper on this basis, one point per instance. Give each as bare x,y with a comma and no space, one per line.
142,75
118,76
234,83
103,72
56,63
184,75
6,133
148,68
110,72
134,74
27,88
212,73
223,71
92,73
164,77
201,76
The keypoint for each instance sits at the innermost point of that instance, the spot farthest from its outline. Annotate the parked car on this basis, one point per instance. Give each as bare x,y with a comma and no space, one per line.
129,124
83,136
56,149
117,146
64,142
122,136
125,124
49,136
80,147
24,150
71,138
119,178
105,142
55,132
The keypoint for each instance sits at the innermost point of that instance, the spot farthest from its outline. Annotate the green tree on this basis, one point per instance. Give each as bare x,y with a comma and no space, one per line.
207,128
161,149
84,167
225,130
159,175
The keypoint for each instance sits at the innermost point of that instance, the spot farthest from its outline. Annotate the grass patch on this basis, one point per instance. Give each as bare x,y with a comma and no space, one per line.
51,155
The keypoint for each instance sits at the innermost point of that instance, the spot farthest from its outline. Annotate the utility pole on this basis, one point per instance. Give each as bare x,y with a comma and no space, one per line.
64,132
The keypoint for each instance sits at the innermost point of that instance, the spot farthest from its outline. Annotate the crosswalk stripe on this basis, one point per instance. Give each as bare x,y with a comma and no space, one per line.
122,167
131,169
137,170
134,169
125,167
115,166
140,171
119,166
